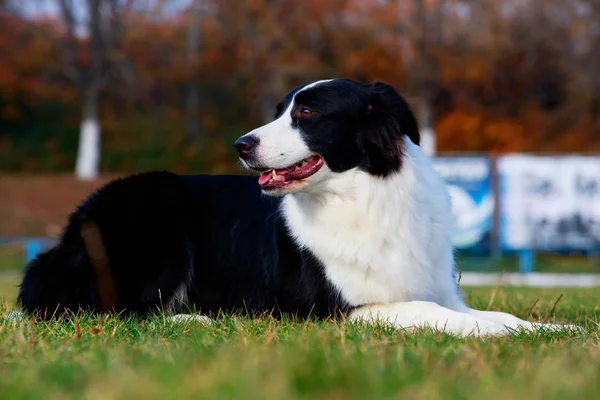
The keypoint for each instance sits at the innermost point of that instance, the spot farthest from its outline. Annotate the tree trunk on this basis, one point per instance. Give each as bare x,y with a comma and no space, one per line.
429,35
272,91
428,142
192,97
596,81
88,155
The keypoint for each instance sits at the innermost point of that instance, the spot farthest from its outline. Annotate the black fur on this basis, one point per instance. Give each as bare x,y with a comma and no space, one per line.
217,234
354,125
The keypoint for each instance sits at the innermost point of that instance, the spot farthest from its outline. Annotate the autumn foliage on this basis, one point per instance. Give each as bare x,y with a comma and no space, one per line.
500,76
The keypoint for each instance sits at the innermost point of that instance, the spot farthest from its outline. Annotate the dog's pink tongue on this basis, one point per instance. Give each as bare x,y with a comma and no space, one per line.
265,177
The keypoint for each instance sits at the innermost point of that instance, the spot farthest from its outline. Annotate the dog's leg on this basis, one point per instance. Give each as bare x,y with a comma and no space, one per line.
421,314
516,323
187,318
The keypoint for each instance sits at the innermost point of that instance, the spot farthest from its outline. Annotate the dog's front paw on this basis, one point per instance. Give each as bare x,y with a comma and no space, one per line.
187,318
485,328
14,316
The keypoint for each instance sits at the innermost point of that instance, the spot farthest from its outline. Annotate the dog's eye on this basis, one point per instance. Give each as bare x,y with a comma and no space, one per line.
306,112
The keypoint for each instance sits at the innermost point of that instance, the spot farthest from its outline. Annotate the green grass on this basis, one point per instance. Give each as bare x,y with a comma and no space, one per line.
11,258
544,262
8,287
262,358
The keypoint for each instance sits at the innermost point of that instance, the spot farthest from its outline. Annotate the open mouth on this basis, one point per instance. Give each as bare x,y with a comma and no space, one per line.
280,178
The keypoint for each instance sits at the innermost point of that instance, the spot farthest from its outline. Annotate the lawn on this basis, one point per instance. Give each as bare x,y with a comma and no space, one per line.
263,358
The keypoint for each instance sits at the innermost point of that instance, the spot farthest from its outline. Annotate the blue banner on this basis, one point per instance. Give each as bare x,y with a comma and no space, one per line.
470,187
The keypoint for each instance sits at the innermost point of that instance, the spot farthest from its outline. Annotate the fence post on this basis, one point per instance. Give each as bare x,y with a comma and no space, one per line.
496,245
32,248
526,260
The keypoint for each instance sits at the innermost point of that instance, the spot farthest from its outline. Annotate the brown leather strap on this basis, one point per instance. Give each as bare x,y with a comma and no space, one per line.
99,258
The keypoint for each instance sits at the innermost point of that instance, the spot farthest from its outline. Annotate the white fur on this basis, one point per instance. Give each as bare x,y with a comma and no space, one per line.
180,296
424,314
189,318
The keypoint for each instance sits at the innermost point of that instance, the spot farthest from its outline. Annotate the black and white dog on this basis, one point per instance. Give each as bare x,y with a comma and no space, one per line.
348,217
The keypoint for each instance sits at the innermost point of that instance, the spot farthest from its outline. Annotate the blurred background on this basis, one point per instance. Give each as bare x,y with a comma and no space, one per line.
507,94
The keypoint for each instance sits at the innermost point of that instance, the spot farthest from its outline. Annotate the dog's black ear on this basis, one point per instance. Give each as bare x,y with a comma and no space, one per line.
388,118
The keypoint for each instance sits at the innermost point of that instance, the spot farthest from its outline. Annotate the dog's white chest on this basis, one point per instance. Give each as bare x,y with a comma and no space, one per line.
367,262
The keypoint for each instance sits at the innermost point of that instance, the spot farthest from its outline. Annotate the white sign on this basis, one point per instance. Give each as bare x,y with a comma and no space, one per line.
549,202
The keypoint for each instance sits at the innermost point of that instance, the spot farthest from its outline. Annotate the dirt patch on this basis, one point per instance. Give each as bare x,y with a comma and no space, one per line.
39,205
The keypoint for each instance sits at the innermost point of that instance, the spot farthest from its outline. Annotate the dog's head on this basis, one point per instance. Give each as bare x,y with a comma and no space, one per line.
329,127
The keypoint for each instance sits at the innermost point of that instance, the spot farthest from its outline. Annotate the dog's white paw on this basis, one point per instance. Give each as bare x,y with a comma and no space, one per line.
487,328
14,316
187,318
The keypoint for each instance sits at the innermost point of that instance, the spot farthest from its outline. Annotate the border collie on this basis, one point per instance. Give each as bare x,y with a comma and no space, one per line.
347,218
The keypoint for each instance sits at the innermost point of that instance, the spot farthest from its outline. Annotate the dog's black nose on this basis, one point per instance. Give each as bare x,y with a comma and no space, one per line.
245,144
